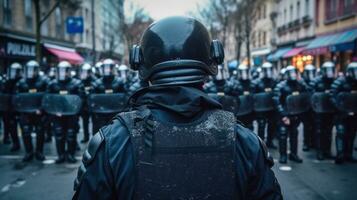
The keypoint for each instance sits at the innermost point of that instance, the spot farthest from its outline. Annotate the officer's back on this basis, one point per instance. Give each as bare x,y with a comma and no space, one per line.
175,142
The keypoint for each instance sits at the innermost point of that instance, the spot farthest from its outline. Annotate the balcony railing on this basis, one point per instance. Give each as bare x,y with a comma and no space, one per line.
306,20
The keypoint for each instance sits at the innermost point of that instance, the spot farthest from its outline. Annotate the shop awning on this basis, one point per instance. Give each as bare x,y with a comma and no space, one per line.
65,54
334,42
278,54
293,52
260,52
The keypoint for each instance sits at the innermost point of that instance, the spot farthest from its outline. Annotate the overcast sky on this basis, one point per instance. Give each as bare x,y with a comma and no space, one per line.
158,9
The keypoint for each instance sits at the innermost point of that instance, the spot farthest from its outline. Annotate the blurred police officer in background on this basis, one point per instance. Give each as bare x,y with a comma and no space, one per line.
32,83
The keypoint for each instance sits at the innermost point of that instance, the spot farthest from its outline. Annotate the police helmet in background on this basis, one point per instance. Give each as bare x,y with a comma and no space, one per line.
309,72
97,69
352,70
15,71
243,72
123,71
64,71
267,70
292,73
85,71
328,69
32,69
176,50
282,73
108,68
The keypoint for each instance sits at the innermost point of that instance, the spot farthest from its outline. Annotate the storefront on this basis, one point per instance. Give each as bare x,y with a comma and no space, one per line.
340,48
55,53
15,49
295,58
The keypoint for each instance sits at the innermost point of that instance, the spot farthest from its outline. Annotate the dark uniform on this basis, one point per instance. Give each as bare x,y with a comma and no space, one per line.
65,127
176,143
324,121
32,83
346,126
288,123
309,74
266,84
245,87
107,84
10,117
87,79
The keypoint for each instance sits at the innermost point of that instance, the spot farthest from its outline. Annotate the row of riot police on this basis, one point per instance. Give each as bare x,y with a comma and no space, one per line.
317,101
53,104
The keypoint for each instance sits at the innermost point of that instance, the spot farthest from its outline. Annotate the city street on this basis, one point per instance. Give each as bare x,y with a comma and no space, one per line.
310,180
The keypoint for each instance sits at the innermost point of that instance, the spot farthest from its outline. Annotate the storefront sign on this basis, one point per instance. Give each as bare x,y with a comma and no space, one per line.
20,49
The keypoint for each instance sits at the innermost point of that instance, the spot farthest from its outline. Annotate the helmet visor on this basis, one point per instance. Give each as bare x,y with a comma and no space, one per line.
62,74
292,75
243,74
84,74
31,72
268,73
123,74
329,72
107,70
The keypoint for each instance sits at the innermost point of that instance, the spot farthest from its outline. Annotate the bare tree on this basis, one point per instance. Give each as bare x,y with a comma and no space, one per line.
73,4
134,24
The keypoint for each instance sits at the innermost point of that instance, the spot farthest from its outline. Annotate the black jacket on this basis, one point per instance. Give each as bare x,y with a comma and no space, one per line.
108,171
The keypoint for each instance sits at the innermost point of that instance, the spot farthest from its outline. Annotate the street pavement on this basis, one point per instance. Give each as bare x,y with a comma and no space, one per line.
311,180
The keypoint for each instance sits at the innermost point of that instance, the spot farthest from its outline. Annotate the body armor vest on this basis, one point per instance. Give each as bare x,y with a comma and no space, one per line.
183,161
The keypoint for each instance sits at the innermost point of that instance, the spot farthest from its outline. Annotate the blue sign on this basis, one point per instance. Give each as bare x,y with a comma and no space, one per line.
74,25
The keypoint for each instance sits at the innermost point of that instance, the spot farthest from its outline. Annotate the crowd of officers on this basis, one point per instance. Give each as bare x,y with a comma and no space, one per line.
105,77
240,84
281,103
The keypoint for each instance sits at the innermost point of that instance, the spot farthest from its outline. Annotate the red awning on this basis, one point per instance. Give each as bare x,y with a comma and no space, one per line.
65,54
293,52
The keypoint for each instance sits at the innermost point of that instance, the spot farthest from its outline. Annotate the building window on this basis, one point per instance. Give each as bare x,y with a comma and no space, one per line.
28,14
284,20
291,13
264,11
307,7
348,7
7,19
58,15
331,9
44,26
298,10
264,38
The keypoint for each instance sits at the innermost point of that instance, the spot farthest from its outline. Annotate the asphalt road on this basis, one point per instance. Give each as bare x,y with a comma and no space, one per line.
311,180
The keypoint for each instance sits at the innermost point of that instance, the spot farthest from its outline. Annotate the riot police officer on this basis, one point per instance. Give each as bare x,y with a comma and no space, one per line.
245,89
265,85
87,78
175,127
220,84
32,83
97,69
346,118
109,83
124,75
309,75
324,120
288,120
65,126
10,117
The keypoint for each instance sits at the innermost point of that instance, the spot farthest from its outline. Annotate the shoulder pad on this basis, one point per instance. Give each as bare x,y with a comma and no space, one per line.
266,153
88,156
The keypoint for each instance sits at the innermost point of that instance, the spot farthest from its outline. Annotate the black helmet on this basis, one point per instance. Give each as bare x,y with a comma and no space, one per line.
267,69
85,71
14,71
32,69
328,69
176,50
108,68
63,71
291,73
352,70
309,72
